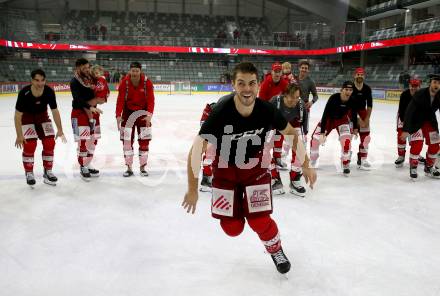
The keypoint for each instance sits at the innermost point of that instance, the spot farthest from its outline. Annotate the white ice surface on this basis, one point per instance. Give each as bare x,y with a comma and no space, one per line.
374,233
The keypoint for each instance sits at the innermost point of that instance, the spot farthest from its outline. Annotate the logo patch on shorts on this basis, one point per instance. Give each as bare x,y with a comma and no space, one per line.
434,137
344,129
48,129
29,131
258,198
222,202
417,136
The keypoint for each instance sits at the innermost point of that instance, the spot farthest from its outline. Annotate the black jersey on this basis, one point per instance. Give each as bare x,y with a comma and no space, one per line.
405,98
81,94
421,109
27,103
239,138
363,98
336,109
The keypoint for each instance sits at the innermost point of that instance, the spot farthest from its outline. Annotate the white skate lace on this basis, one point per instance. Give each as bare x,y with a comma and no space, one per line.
85,170
30,175
279,257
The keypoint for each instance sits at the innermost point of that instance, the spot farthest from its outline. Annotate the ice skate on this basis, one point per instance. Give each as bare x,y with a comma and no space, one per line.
49,178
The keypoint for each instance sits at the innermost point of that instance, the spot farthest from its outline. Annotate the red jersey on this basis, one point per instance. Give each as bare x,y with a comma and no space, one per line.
101,88
270,89
135,98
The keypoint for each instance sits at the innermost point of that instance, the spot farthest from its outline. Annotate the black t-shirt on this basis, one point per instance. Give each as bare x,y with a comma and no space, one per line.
337,109
27,103
81,94
239,138
363,98
405,98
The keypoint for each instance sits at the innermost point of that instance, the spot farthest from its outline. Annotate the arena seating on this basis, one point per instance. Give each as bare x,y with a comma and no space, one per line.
426,26
160,28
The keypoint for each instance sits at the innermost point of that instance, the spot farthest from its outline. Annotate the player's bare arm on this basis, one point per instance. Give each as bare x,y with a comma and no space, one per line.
18,129
193,168
292,136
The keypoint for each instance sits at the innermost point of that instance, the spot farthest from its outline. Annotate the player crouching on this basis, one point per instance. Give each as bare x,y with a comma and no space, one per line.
32,122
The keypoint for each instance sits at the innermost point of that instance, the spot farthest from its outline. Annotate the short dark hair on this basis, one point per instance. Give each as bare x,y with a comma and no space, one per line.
80,62
433,77
135,65
244,67
291,89
304,63
38,72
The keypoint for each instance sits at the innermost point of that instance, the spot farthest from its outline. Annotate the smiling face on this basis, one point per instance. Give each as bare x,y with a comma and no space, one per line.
38,82
303,70
246,88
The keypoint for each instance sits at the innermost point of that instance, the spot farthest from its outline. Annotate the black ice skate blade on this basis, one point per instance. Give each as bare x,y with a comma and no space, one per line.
398,166
94,175
48,182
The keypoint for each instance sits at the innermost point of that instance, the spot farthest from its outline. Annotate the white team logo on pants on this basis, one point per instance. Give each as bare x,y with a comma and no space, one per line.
258,198
29,131
222,202
48,129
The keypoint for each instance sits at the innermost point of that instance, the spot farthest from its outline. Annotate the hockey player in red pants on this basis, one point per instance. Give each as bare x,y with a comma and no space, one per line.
101,91
363,99
238,127
82,117
339,114
405,98
421,123
293,110
134,111
32,123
